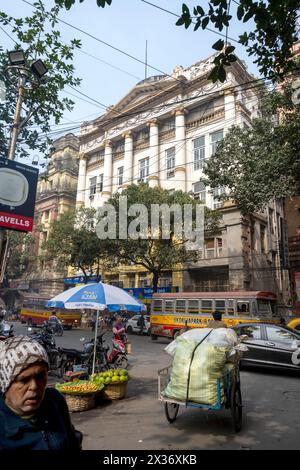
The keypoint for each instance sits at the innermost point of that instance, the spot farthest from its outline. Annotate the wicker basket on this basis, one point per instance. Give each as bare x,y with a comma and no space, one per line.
115,391
80,402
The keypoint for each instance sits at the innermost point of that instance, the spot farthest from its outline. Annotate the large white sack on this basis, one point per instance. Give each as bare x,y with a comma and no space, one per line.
220,337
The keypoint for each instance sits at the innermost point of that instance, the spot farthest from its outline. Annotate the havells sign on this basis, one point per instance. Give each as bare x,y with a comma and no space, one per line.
18,183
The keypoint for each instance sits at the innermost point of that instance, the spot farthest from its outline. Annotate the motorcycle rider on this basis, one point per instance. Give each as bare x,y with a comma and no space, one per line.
54,322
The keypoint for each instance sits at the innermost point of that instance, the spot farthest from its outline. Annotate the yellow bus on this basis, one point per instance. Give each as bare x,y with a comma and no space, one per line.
172,312
33,313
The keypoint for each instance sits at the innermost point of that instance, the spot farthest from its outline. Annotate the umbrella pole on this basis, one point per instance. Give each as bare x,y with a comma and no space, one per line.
95,342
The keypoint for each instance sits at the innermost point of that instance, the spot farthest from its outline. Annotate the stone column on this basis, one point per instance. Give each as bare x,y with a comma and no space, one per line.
107,172
81,185
128,158
180,152
230,111
153,153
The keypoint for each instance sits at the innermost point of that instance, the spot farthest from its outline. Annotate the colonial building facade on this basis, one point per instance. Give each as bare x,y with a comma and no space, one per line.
55,194
161,133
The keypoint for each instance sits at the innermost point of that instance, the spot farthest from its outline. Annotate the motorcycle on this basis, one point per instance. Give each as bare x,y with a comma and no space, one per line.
105,360
6,330
56,327
45,337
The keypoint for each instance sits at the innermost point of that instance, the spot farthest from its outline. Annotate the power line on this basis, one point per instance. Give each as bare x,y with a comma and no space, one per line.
107,44
157,108
5,32
178,16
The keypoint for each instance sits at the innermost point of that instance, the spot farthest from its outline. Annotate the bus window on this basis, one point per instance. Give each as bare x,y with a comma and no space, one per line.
193,306
157,305
180,306
220,305
264,307
243,307
206,306
230,307
169,306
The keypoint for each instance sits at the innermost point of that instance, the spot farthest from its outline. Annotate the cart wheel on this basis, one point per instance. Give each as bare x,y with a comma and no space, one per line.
171,410
236,407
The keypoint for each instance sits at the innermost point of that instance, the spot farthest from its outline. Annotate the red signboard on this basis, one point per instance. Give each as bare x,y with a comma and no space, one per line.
16,222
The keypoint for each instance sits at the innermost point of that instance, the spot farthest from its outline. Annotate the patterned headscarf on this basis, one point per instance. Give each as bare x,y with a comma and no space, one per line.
16,354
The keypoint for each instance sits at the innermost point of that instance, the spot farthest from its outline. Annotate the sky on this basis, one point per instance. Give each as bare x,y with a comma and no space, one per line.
126,25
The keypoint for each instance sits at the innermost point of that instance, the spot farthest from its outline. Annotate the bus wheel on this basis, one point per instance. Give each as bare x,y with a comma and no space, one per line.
154,337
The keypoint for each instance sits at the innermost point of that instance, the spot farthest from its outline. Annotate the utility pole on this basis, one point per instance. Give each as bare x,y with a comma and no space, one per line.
11,156
38,70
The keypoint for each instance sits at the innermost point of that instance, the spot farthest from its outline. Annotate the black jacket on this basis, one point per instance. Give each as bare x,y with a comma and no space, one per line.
50,430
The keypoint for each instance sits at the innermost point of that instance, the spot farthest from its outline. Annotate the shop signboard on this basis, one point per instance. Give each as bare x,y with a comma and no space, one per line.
18,183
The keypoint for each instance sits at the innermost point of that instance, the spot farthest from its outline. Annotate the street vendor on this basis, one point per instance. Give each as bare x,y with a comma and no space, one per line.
32,417
119,328
217,321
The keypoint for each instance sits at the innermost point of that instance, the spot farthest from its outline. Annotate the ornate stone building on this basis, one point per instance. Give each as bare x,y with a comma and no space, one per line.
55,194
161,132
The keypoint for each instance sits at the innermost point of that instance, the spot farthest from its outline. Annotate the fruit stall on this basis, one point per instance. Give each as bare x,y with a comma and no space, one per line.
82,395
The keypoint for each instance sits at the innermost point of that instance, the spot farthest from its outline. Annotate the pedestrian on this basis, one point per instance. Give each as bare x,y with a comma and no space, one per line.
118,327
32,417
217,321
141,323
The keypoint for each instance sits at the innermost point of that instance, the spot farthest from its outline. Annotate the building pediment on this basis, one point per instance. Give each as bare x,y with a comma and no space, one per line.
142,93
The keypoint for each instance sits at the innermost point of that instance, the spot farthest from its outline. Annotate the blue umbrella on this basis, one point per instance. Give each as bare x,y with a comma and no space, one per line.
98,297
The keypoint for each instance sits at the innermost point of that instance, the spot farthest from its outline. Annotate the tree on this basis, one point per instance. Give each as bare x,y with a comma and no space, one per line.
154,253
37,36
262,162
270,39
81,248
19,254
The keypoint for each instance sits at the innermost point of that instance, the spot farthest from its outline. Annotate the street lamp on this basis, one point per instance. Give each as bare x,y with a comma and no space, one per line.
39,69
17,57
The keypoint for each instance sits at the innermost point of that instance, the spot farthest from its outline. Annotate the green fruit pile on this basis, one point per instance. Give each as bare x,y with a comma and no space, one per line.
112,376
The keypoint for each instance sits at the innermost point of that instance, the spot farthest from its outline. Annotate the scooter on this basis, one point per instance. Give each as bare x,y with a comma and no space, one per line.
118,354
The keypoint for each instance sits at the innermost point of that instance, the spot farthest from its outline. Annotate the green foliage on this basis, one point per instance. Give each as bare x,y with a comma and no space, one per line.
19,254
81,248
69,3
157,254
262,162
270,41
37,36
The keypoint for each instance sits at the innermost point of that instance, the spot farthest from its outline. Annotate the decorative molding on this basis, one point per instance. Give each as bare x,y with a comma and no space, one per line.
127,135
108,143
180,169
214,116
180,112
153,123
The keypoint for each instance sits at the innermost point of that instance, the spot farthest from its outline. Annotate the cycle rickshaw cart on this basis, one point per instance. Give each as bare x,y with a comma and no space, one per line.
232,396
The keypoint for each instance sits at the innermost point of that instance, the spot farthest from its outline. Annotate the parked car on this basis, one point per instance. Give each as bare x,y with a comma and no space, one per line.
270,345
132,325
294,324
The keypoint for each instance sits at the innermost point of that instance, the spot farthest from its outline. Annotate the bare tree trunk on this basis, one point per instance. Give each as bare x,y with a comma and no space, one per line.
155,280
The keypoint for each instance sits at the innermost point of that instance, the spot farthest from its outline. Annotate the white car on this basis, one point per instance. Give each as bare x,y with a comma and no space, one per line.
132,325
